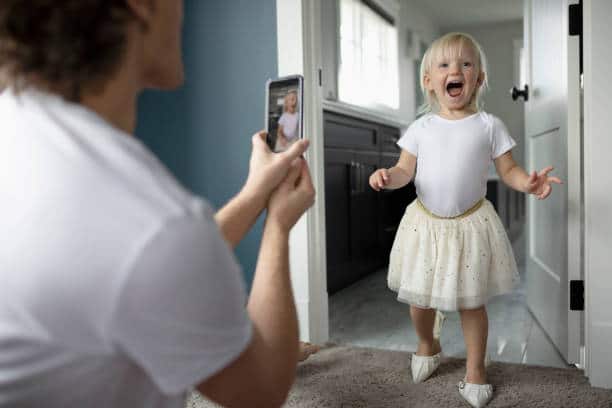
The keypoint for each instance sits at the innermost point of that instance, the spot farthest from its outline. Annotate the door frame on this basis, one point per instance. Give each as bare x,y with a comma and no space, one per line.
299,52
597,188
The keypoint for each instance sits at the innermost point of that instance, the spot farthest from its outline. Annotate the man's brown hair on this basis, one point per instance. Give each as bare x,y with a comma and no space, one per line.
63,44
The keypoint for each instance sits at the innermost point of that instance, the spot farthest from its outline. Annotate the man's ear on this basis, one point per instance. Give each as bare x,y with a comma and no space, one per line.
142,10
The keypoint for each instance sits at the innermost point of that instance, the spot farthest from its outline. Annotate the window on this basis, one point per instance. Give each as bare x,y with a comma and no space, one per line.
368,72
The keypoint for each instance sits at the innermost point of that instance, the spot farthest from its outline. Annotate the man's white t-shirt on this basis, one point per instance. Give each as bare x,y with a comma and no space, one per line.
289,122
453,158
116,287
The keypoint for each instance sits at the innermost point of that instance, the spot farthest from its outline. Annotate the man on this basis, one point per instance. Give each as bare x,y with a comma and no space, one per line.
118,287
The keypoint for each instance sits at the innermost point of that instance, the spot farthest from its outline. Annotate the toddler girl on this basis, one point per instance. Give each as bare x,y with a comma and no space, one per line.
288,122
451,251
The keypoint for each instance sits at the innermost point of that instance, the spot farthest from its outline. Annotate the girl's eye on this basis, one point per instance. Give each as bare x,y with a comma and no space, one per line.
467,64
443,65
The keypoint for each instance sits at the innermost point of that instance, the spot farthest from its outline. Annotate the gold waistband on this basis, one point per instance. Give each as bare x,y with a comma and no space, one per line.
470,211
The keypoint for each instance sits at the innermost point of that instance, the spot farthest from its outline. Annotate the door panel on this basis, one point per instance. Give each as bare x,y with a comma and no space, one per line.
549,235
551,58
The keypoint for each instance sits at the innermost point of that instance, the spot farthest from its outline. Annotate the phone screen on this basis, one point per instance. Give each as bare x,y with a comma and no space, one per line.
284,112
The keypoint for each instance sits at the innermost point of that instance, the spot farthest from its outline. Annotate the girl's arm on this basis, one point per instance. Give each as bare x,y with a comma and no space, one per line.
397,176
515,177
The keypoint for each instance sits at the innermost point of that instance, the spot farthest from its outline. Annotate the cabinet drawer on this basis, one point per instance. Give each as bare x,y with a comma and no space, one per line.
343,135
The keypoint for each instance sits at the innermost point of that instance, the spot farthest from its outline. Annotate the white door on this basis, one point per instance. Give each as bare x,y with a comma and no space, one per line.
552,129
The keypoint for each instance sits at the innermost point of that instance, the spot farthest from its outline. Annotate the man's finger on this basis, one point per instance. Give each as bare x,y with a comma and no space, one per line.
296,150
293,174
259,136
555,180
305,179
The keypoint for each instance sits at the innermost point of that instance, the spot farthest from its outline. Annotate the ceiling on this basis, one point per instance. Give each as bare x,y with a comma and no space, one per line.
457,13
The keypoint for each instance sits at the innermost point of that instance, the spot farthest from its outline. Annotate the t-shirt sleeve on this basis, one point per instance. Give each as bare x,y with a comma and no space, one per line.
501,141
181,313
409,140
282,120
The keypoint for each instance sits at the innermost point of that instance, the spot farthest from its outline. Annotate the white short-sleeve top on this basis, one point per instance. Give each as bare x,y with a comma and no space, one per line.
116,286
289,121
453,158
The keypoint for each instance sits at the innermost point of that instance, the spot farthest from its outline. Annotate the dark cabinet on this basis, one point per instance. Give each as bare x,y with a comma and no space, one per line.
352,211
339,179
365,217
360,222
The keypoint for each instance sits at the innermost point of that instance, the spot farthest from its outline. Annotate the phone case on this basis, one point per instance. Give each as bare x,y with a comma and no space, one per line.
271,139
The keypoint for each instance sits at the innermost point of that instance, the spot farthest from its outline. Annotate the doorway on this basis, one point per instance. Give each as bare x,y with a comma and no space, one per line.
366,313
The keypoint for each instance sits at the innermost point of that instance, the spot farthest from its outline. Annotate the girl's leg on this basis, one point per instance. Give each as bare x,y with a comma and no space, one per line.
475,326
423,321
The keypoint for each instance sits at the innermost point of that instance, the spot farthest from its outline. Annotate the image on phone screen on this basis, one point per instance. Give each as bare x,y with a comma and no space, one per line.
284,112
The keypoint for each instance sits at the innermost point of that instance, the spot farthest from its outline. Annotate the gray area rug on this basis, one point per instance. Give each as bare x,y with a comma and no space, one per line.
351,377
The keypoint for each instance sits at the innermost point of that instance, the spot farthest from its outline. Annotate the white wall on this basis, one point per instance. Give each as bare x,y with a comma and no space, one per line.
497,41
419,26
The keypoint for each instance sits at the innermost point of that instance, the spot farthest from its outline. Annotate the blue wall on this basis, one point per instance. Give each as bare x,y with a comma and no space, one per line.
202,131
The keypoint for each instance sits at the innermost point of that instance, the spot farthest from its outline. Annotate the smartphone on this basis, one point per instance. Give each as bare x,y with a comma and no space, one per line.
284,111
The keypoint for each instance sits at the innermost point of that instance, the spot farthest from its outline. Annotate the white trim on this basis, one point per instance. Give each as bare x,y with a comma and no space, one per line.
597,187
363,113
575,262
298,33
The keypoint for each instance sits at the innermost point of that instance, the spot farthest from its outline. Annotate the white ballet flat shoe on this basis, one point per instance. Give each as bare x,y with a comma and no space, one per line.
477,395
424,366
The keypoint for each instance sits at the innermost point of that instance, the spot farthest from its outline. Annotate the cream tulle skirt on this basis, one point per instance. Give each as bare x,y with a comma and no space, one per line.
451,264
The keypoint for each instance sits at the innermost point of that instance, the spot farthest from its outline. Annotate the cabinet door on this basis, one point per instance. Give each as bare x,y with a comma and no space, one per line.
393,205
367,254
339,179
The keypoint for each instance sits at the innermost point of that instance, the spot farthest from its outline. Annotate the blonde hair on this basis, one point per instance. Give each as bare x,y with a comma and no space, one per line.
445,46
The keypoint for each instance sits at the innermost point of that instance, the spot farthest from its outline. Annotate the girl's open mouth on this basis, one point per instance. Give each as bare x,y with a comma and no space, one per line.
454,88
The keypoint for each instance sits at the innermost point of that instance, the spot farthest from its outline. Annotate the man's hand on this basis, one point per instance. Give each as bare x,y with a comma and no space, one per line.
293,197
267,169
538,184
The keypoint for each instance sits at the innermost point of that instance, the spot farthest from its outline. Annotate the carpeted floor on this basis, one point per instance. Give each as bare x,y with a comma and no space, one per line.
351,377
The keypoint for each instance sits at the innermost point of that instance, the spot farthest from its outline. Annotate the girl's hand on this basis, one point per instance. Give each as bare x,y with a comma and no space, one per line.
267,169
539,183
379,179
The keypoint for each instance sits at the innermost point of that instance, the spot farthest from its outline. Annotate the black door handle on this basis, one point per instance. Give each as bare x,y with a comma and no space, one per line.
517,93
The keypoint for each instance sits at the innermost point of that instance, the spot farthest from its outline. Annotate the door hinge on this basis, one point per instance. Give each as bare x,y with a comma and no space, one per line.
575,19
576,295
575,26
